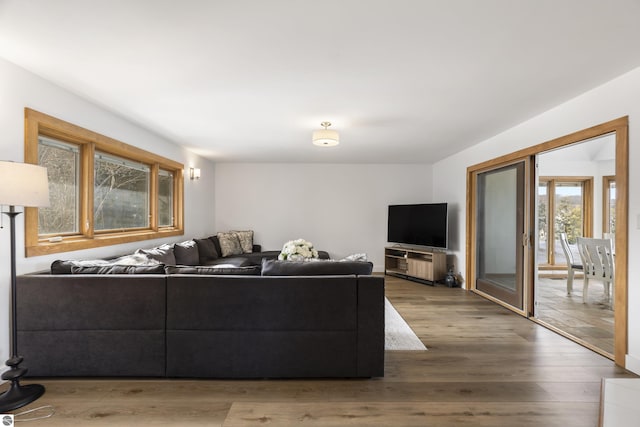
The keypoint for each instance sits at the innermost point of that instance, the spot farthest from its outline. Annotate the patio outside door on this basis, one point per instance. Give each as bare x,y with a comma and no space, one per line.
500,233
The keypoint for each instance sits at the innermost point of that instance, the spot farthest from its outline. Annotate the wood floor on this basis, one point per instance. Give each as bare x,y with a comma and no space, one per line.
591,322
485,367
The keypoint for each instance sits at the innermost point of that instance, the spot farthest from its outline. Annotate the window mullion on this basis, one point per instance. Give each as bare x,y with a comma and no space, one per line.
153,196
551,238
587,194
86,185
178,195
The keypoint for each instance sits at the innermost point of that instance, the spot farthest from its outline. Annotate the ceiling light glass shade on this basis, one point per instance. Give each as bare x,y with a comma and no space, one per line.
325,138
23,184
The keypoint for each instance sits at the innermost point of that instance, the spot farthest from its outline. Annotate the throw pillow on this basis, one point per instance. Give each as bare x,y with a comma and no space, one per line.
271,267
207,250
118,269
163,253
229,243
246,240
253,270
186,253
355,257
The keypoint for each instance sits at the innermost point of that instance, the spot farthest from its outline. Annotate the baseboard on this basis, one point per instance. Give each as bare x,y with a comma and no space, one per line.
632,364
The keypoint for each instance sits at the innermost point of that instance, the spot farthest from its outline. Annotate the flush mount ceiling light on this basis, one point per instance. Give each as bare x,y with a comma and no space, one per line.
325,137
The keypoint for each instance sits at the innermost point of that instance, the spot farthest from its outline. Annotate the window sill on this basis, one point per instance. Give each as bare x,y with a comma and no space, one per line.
74,243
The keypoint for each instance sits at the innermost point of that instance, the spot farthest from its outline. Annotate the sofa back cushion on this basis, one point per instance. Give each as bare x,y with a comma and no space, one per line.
163,253
136,259
252,270
272,267
216,244
206,250
186,253
63,266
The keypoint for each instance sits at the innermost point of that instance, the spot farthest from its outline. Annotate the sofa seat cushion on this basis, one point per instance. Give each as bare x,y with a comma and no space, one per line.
315,268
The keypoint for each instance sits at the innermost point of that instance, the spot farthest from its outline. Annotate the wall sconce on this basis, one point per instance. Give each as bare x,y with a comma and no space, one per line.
194,173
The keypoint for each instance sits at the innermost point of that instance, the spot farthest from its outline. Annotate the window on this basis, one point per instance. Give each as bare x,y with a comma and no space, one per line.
102,191
609,205
564,206
120,194
63,168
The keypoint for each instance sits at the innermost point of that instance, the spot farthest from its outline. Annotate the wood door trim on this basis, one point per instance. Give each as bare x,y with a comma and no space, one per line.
620,127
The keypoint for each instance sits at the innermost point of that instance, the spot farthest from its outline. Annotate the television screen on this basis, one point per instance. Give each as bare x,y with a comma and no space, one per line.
420,224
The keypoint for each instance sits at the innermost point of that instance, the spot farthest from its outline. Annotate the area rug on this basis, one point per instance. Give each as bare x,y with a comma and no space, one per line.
398,335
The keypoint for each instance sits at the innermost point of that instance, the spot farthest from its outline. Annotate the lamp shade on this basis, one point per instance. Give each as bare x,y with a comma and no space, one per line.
325,137
23,184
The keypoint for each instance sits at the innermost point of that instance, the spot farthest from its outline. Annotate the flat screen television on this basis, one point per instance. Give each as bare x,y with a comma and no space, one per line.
422,224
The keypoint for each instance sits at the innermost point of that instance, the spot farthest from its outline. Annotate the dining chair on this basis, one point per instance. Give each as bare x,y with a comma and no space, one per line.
572,264
597,263
612,237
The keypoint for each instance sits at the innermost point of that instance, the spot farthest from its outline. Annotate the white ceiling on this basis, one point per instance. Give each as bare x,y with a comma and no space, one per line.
401,80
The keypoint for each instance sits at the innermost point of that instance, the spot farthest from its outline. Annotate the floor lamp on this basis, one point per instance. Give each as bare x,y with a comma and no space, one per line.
21,184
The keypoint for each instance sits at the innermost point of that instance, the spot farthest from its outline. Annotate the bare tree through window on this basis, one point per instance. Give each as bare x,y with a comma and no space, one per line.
62,162
165,199
121,194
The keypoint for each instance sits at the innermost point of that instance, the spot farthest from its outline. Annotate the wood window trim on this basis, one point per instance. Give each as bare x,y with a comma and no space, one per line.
587,209
620,127
36,124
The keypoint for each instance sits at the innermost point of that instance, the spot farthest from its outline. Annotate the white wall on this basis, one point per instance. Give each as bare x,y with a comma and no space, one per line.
340,208
617,98
20,89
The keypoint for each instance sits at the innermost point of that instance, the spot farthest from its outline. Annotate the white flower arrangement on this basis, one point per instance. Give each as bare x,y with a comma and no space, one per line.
298,250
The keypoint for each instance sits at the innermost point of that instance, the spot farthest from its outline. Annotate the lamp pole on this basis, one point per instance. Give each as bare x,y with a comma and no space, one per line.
26,185
17,395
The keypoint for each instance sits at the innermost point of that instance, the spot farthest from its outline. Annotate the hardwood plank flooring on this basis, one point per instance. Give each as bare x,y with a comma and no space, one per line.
485,366
591,322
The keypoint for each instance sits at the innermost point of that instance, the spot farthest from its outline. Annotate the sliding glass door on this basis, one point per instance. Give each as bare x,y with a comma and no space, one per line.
500,233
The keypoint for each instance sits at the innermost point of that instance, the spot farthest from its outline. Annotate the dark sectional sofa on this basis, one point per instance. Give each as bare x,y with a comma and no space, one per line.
278,319
205,252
